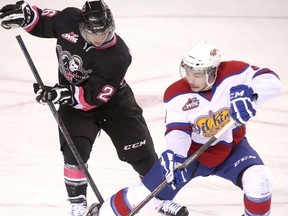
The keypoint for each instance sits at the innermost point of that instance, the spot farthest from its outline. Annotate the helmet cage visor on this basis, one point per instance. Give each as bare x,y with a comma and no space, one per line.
97,39
189,70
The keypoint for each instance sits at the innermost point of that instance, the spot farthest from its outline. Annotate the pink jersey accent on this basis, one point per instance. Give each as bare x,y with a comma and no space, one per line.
81,100
110,44
34,21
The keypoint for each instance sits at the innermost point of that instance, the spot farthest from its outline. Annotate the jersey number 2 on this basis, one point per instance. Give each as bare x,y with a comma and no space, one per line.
107,92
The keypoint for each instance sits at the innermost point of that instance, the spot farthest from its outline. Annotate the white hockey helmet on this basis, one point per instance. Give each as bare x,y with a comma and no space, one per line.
203,58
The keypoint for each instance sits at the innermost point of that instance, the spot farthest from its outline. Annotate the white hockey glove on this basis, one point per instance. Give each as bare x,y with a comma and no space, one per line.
241,107
16,15
169,162
57,94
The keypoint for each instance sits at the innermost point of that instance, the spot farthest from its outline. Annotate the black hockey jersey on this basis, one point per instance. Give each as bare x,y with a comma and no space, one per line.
95,73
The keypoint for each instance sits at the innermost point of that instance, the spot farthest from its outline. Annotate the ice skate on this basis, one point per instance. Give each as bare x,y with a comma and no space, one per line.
171,208
93,210
78,205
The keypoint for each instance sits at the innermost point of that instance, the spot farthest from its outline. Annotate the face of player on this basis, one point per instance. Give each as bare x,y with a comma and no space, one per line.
96,39
198,79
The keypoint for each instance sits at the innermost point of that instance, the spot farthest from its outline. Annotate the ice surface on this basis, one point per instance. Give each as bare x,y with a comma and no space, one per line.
158,32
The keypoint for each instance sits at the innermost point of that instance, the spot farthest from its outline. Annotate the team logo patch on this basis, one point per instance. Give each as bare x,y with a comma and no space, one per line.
213,52
72,37
191,104
209,125
71,66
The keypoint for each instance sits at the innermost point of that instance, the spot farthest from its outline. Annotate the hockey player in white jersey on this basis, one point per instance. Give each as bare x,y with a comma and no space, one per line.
209,94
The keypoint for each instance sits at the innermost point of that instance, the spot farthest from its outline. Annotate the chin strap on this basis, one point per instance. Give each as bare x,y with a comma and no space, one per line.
209,85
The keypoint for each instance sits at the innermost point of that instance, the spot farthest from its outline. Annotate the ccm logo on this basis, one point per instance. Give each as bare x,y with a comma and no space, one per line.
244,159
237,94
135,145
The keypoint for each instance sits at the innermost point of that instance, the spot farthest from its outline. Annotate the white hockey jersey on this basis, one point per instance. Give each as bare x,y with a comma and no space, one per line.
192,118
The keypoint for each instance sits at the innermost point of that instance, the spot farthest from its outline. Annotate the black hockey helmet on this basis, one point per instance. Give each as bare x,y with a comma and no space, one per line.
96,17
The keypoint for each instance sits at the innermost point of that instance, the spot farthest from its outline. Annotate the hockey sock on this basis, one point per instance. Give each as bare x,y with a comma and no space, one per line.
126,199
259,206
75,180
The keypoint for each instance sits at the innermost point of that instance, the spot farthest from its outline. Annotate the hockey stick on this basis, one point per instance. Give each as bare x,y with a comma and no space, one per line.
60,122
191,159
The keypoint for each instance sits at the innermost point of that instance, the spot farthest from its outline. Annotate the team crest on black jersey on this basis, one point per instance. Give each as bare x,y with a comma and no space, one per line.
72,37
71,66
191,104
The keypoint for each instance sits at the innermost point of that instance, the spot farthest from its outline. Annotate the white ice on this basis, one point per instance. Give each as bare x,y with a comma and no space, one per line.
159,33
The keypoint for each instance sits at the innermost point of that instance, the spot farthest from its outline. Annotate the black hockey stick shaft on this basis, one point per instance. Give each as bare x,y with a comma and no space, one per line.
190,160
60,122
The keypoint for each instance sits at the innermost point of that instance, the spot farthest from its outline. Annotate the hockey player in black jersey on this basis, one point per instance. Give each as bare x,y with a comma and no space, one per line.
92,92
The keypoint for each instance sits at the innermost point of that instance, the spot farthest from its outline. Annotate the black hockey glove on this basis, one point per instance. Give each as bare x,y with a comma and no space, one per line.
16,15
57,94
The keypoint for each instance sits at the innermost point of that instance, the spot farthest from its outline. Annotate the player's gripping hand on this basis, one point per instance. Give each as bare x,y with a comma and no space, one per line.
241,107
16,15
57,94
170,162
